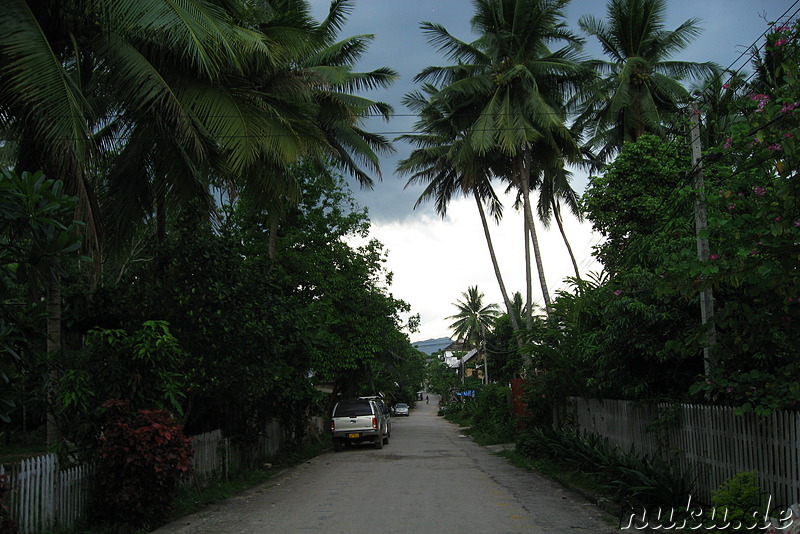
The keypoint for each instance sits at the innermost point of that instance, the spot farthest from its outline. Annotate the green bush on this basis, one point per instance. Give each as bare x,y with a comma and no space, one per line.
736,499
143,455
488,415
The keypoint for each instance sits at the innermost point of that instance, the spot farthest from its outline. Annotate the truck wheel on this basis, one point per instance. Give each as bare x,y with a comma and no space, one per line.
378,443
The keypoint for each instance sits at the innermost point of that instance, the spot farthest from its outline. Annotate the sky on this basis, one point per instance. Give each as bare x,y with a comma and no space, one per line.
435,260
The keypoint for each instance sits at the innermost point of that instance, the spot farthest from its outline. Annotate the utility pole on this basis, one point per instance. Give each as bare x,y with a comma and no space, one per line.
701,223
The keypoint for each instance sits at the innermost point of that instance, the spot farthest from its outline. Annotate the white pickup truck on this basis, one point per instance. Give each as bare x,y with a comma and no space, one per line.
357,420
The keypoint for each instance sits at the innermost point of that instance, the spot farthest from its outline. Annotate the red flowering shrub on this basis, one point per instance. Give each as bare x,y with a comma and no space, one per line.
143,455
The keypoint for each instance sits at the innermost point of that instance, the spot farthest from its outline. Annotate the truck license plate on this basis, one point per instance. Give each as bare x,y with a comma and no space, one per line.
354,436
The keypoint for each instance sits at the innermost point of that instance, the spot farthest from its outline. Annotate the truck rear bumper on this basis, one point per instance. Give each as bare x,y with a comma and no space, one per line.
356,435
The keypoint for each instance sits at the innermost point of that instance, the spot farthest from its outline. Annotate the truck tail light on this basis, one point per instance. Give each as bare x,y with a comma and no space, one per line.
374,422
333,425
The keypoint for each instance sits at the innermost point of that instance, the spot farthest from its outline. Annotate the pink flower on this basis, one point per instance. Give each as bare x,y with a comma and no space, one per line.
618,292
713,257
727,143
762,100
776,146
789,107
731,206
759,191
726,86
797,223
780,42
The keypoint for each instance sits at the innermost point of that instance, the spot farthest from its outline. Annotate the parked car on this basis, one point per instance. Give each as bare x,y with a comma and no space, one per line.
359,420
400,409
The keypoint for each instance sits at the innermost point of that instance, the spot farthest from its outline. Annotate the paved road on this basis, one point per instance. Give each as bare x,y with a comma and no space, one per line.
428,479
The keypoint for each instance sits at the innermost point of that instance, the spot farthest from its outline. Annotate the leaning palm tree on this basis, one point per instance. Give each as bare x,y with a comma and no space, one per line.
639,90
449,167
511,87
472,321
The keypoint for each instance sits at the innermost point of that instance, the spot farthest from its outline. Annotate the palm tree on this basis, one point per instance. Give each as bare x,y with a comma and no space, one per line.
717,96
554,189
319,69
472,321
511,88
445,162
639,89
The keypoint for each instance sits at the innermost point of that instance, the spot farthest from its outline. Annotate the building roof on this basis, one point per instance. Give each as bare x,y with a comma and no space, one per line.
454,362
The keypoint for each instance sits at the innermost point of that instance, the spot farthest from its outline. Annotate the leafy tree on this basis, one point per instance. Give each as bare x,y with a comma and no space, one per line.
637,198
260,334
39,239
754,224
440,378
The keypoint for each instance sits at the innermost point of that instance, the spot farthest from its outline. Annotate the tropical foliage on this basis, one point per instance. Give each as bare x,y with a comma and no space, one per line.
233,280
198,147
639,90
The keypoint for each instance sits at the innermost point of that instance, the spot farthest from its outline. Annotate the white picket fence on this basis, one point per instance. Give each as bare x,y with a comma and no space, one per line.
711,440
44,497
217,455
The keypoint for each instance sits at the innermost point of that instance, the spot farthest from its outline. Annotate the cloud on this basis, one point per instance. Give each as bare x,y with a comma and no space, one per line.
435,260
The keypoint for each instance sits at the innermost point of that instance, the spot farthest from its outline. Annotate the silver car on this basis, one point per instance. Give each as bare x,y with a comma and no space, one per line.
401,408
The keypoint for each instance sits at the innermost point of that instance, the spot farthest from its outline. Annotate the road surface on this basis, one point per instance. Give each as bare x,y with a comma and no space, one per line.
429,479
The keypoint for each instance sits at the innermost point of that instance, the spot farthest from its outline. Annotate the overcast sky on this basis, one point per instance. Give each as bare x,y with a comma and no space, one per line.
433,260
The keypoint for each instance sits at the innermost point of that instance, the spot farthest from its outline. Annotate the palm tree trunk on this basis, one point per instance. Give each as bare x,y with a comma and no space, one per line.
54,434
557,217
539,265
161,233
272,248
528,277
503,291
523,182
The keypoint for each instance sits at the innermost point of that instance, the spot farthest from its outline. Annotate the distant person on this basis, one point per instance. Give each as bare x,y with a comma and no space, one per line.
426,399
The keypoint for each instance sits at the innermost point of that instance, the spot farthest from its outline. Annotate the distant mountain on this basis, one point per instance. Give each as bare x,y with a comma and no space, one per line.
429,346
